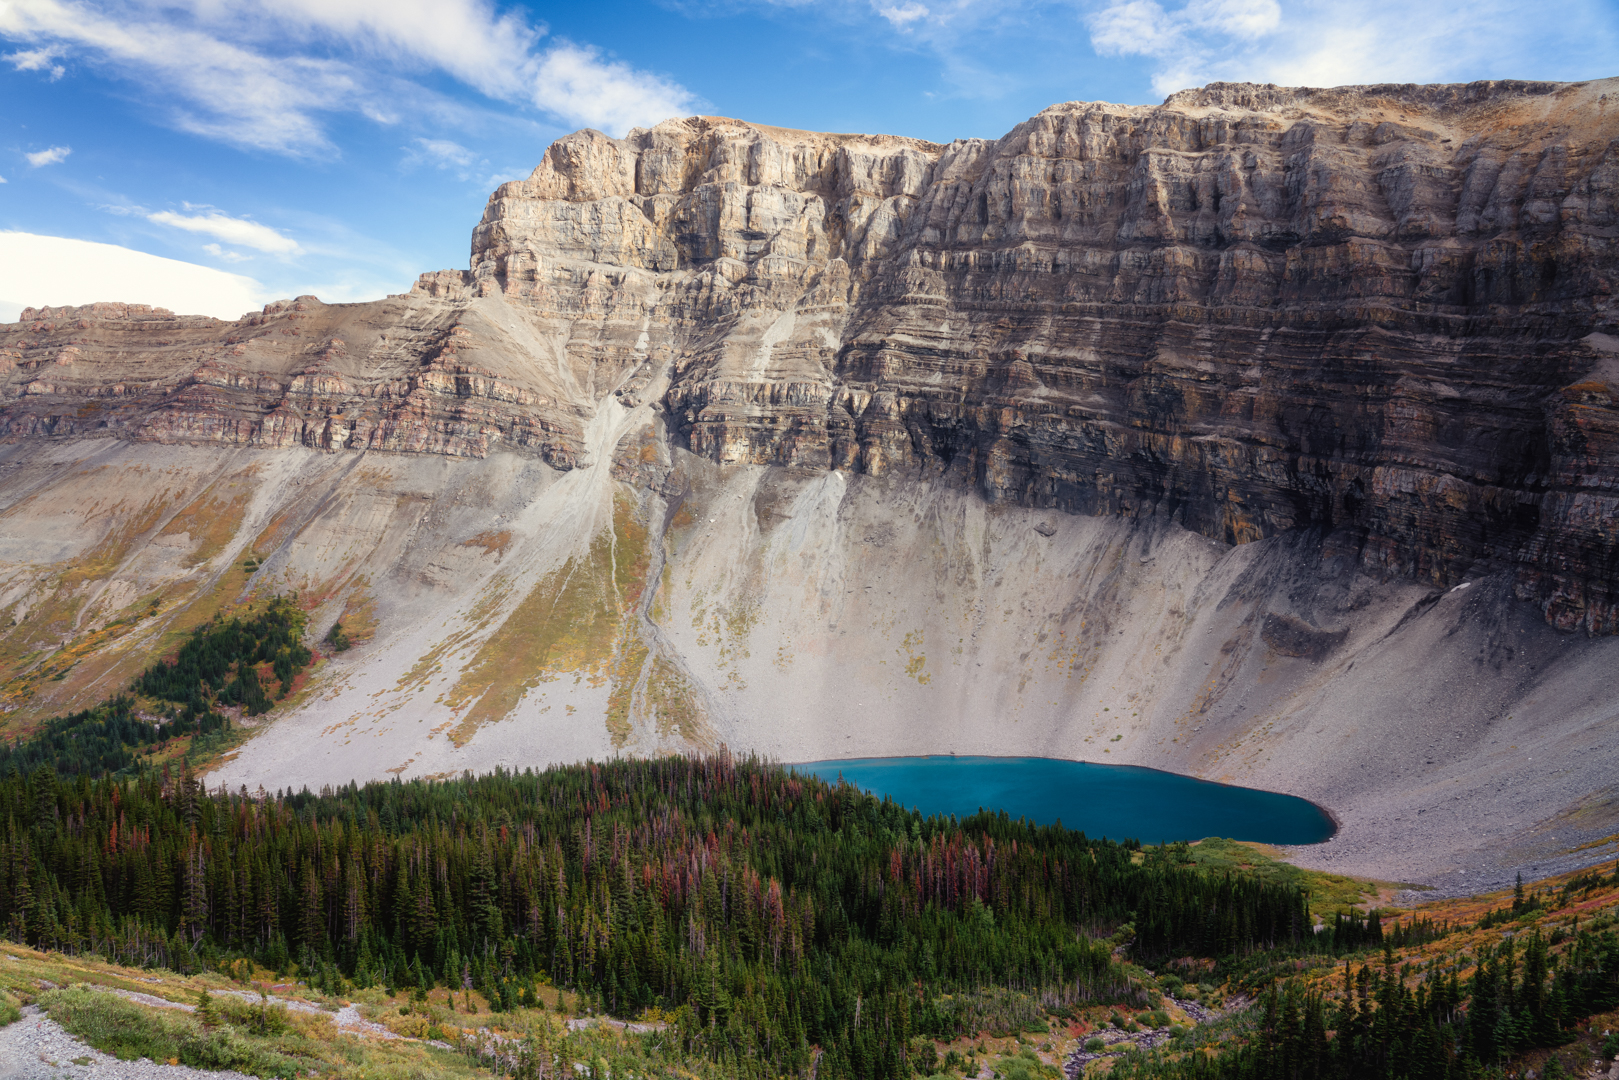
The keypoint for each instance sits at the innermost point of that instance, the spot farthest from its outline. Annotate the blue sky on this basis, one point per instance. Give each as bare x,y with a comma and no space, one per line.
340,147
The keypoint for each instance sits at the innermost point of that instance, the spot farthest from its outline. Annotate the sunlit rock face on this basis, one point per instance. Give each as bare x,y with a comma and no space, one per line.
1382,312
1269,435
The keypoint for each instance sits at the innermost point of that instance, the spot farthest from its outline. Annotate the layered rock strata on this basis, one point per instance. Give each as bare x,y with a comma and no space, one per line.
387,376
1384,313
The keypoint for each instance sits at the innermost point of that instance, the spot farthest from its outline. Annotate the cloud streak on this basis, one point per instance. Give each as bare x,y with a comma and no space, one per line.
1184,43
238,231
53,156
225,254
266,76
39,60
1321,43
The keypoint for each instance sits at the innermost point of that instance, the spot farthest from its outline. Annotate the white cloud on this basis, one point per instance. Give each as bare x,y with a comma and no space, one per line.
441,153
222,90
468,39
903,16
1238,18
263,74
991,48
39,60
226,254
1326,43
575,83
1190,44
468,165
495,179
238,231
53,156
37,270
1134,26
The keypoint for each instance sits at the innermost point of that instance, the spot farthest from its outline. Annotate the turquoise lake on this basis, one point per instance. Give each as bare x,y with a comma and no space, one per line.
1116,801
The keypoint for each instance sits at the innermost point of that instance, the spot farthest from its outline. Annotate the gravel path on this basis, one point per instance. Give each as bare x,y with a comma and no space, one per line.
38,1048
580,1023
347,1019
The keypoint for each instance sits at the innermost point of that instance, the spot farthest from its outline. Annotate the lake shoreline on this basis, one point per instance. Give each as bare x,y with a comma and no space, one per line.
1133,802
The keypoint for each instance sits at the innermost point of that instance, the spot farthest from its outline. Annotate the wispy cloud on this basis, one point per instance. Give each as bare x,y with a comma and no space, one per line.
575,83
239,231
440,153
225,253
264,74
988,47
53,156
1322,43
1183,41
903,15
39,60
218,88
448,156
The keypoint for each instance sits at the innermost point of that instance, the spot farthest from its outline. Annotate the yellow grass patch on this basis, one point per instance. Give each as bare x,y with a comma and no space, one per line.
359,617
674,705
579,619
210,521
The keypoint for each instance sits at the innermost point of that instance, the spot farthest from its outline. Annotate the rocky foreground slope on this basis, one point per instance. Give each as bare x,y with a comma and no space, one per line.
1269,434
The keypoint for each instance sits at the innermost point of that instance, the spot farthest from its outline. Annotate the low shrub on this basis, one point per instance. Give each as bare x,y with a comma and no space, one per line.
257,1017
129,1032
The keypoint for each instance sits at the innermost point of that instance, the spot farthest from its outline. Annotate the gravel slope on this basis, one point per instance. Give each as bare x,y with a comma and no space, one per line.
38,1048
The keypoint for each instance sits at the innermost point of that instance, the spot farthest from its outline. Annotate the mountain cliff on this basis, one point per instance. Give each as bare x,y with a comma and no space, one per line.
1270,430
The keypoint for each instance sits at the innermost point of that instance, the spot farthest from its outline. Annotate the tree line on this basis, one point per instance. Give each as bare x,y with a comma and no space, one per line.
774,913
1520,996
219,664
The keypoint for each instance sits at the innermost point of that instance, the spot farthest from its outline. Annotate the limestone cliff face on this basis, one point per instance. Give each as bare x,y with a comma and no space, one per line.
1381,312
383,376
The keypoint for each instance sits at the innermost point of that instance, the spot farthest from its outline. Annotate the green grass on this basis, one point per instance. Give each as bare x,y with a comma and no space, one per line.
10,1010
1329,893
129,1032
1025,1066
224,1029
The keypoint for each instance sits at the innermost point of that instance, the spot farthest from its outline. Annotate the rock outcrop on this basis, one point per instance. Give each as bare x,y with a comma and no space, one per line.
386,376
1384,313
1381,312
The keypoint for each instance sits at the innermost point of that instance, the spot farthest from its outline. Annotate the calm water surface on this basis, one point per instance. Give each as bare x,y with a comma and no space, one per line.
1116,801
